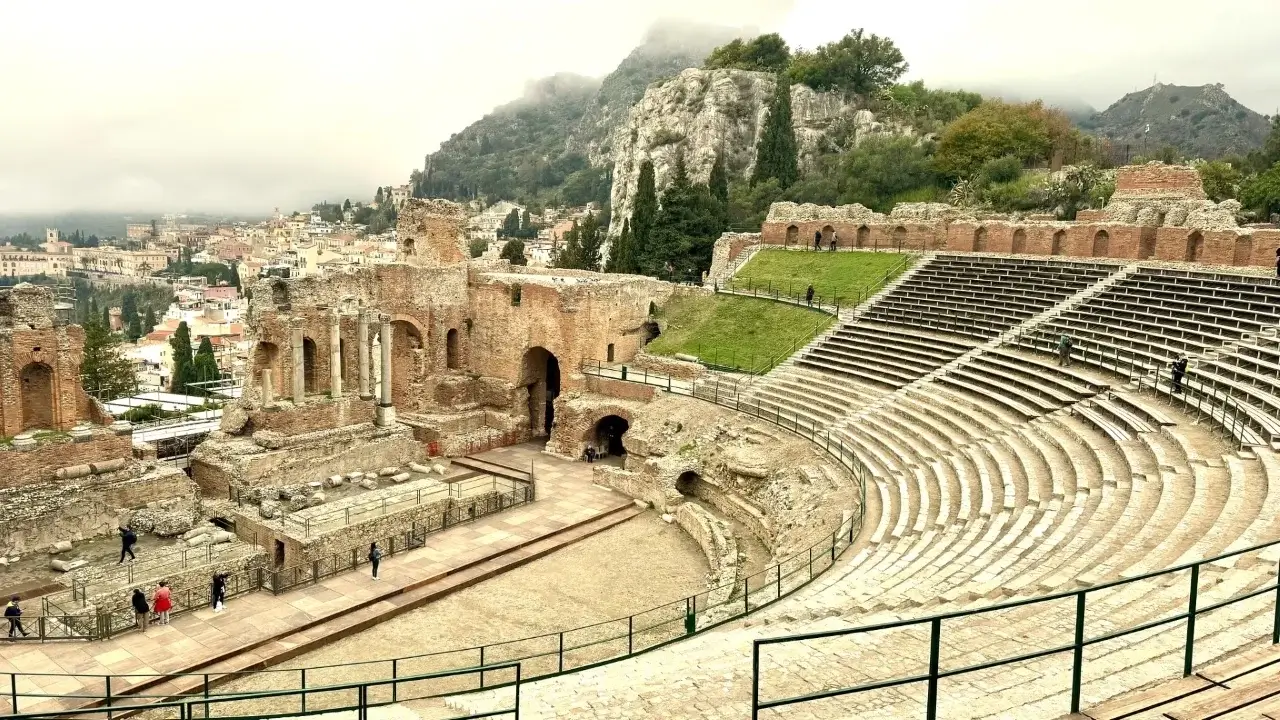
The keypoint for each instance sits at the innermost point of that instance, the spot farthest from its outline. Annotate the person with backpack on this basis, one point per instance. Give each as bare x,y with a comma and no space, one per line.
375,555
13,614
128,538
1064,350
140,608
1178,368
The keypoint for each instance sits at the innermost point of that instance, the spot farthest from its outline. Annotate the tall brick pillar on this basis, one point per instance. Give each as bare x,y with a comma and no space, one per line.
335,356
299,365
362,337
386,412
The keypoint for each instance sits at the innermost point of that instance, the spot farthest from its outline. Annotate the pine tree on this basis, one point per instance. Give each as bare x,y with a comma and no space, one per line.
183,363
685,230
106,374
205,365
719,187
776,153
644,212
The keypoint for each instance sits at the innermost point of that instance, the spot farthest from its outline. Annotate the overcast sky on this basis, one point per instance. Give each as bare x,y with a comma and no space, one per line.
241,106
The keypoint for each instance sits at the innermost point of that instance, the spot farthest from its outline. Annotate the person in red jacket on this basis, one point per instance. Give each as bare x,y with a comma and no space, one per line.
162,602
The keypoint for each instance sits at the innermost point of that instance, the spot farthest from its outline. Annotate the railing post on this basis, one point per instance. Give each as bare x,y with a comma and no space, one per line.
755,679
13,691
935,650
482,666
1275,623
303,694
560,653
1077,662
107,679
395,675
1188,658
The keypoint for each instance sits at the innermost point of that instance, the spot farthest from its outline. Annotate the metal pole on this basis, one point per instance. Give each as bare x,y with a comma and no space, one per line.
935,649
1188,657
1077,665
755,679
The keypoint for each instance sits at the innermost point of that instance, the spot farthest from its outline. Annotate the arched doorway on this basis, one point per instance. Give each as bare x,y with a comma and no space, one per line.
540,373
309,375
1243,254
37,396
451,349
406,348
900,237
1101,244
1058,238
267,356
608,435
793,234
980,240
649,331
827,232
1019,241
864,236
408,246
689,483
1195,247
1147,243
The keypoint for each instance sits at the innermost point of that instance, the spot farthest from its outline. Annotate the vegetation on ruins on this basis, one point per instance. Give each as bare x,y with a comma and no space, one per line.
742,332
777,152
1028,132
833,275
1262,192
104,372
477,246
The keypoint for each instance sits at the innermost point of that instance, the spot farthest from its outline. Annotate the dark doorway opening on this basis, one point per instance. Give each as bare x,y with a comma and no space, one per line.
609,432
541,375
309,365
688,483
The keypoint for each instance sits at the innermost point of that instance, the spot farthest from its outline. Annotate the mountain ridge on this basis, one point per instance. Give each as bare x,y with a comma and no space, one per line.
1197,121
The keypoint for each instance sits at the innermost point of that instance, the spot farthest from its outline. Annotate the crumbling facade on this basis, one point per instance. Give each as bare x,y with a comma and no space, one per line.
1158,212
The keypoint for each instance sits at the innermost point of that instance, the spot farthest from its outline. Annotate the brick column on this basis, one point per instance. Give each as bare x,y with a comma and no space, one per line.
362,337
386,413
335,356
299,365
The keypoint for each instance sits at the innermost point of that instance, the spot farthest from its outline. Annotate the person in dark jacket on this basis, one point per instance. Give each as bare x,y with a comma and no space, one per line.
375,556
808,296
1178,368
817,240
128,538
140,608
218,595
13,614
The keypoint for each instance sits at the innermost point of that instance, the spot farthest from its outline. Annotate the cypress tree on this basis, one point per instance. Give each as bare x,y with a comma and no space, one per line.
149,321
106,318
183,363
569,254
776,153
644,213
685,230
622,254
719,186
205,365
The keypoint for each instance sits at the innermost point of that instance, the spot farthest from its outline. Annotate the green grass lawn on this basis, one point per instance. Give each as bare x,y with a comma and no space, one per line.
838,274
733,331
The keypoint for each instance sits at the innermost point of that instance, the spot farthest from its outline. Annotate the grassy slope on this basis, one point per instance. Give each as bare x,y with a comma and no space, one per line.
735,331
842,274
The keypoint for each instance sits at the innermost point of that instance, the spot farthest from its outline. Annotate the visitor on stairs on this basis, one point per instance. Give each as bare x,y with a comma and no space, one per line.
13,614
808,296
162,602
375,555
1179,368
1064,350
128,538
140,608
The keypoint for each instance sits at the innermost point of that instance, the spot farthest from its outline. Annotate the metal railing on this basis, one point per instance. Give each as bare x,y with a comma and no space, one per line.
828,302
1076,647
358,696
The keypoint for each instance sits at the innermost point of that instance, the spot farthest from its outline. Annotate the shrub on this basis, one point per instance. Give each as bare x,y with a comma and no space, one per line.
1001,170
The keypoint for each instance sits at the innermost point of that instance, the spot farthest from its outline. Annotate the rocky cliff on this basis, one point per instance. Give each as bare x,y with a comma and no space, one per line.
702,113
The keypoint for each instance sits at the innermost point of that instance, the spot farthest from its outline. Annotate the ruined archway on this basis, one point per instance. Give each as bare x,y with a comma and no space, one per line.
451,356
607,435
793,234
689,484
266,356
1058,239
1101,244
406,348
1243,253
1195,247
1147,243
37,396
540,373
900,237
1019,241
980,240
864,236
310,378
649,331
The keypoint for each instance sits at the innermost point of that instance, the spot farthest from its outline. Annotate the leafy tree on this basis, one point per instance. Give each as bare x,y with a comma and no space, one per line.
513,251
1220,179
718,184
777,153
644,213
105,373
880,169
205,365
928,110
622,255
1028,131
1262,192
184,371
764,53
684,232
858,63
582,246
477,247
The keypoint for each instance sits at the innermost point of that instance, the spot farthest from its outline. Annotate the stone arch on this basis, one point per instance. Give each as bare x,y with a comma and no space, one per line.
689,484
406,348
1243,254
266,356
1195,247
451,355
980,240
1147,243
900,237
606,435
649,331
1019,241
36,381
864,236
408,247
1058,239
540,373
827,232
310,377
793,235
1101,244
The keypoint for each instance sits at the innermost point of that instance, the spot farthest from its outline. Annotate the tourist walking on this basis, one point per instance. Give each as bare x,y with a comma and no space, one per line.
140,608
808,296
817,241
375,556
1064,350
834,236
13,614
1179,368
128,538
218,594
162,602
1278,262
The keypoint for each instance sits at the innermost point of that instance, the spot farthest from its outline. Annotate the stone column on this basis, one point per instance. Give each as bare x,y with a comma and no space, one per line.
362,337
335,357
268,387
299,366
386,413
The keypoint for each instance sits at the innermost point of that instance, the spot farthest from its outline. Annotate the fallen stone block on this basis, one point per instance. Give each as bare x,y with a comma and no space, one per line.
61,546
334,480
199,540
73,472
419,468
220,537
438,469
400,477
315,485
668,517
355,475
4,562
388,471
107,466
269,509
316,499
66,565
197,531
369,484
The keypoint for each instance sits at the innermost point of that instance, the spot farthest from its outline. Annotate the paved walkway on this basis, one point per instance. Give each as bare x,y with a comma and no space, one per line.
566,496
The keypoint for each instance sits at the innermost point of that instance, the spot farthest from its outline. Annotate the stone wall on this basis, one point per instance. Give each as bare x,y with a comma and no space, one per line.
430,232
716,539
1158,179
577,417
289,419
39,464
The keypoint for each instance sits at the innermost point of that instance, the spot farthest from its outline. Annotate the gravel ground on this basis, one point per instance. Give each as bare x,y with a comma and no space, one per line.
628,568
